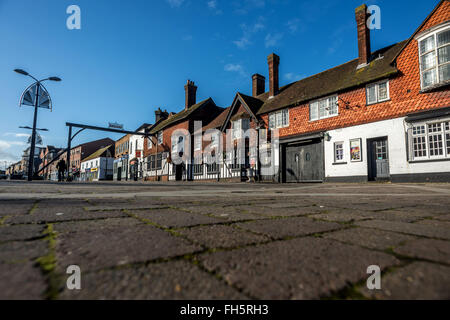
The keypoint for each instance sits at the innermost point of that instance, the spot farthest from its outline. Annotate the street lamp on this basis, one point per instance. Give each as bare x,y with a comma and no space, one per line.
28,99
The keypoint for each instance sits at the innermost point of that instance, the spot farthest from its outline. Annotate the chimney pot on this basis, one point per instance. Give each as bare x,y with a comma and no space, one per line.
361,16
274,61
258,84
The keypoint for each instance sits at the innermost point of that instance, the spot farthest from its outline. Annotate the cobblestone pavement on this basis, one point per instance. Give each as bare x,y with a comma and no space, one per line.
224,241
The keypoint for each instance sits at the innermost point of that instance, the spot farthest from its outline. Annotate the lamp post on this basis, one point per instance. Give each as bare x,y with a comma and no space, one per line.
36,106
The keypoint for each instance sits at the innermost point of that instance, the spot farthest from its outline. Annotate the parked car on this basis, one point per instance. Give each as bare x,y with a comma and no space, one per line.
3,176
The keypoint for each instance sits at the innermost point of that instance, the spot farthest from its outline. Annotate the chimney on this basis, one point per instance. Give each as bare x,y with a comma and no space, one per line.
258,84
191,93
274,61
159,114
363,35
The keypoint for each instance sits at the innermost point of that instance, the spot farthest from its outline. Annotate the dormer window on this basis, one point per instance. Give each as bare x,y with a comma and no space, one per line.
434,57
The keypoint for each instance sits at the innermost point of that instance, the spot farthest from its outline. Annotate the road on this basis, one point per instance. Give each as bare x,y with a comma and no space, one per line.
224,241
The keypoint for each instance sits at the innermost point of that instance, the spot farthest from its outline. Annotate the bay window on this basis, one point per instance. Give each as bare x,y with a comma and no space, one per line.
434,58
430,141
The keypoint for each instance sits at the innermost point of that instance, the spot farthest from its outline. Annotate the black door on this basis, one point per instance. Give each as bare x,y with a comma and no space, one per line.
304,162
119,173
178,172
379,159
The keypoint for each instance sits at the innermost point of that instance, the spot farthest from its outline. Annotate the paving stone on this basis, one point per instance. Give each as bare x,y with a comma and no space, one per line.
127,206
171,280
281,212
22,281
399,215
289,227
15,207
306,268
172,218
429,249
435,223
444,217
221,236
24,232
112,246
340,216
370,238
22,251
417,281
411,228
226,214
62,214
96,225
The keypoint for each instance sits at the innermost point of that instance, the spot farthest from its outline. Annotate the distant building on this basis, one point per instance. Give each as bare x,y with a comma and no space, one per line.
99,165
121,158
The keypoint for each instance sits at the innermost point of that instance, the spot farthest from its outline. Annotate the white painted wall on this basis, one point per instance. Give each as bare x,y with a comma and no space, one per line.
395,130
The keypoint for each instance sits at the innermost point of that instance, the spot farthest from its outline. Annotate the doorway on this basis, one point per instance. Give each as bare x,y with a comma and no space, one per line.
304,162
179,172
378,156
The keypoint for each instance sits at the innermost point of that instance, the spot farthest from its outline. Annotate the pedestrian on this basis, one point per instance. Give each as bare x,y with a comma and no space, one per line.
61,166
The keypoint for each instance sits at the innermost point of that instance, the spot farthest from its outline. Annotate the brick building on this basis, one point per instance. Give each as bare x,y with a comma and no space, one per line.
160,148
121,158
47,155
382,116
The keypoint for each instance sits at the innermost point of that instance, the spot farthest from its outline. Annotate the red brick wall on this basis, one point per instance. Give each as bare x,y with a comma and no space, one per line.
404,94
167,139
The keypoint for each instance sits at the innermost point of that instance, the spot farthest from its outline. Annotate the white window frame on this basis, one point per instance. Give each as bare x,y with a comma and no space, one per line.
160,137
443,133
336,160
433,33
327,99
198,142
279,119
377,92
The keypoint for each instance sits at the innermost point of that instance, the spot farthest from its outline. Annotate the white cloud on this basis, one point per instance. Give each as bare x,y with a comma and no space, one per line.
231,67
292,76
293,25
8,144
248,32
175,3
272,40
17,135
212,4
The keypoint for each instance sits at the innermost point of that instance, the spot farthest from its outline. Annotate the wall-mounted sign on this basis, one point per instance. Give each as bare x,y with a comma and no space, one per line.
355,150
115,125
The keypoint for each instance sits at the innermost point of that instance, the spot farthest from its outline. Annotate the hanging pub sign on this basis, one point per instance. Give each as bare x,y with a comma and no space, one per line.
28,97
115,125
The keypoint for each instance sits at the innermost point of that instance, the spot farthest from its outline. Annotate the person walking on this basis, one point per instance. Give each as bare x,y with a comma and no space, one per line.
61,166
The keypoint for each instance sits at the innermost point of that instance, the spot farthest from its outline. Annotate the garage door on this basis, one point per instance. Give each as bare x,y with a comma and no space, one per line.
304,162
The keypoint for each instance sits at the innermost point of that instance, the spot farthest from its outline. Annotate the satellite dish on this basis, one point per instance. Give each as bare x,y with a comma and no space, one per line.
28,97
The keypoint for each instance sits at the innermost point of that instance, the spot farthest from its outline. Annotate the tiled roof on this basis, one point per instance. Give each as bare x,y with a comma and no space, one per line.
178,117
97,153
218,121
343,77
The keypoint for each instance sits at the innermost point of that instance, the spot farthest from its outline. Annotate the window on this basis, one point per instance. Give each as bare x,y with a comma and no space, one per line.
430,140
149,143
197,167
377,92
323,108
434,58
160,137
159,161
210,166
198,142
338,152
279,119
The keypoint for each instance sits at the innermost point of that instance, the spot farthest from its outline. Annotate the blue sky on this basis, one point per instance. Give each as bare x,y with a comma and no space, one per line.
131,57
